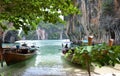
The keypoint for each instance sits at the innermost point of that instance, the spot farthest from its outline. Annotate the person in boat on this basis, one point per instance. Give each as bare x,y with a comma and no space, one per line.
65,49
24,48
24,44
66,46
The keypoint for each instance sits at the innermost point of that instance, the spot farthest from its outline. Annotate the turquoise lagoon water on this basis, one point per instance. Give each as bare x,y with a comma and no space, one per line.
47,62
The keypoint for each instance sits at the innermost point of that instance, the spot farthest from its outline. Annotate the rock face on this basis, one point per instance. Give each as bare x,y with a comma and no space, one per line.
100,18
40,34
10,36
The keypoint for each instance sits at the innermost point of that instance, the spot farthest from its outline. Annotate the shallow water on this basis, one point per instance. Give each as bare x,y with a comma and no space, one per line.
47,62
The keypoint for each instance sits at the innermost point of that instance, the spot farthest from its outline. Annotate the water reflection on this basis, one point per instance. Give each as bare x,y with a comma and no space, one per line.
18,68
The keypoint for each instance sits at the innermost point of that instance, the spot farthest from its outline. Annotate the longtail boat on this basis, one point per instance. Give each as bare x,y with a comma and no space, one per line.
16,53
15,57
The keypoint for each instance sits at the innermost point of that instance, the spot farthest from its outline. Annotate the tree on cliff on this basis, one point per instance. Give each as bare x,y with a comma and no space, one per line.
28,13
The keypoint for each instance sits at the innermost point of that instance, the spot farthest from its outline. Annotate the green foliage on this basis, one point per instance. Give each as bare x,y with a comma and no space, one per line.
104,55
1,74
8,74
54,35
81,55
99,54
116,52
32,11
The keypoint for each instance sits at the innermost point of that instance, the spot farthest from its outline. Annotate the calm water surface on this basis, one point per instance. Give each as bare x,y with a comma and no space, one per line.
48,61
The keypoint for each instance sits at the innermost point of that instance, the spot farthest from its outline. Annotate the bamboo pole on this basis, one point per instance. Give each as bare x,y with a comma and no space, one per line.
88,67
88,61
110,42
90,40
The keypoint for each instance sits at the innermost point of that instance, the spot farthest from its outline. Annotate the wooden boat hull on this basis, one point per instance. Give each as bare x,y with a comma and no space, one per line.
11,58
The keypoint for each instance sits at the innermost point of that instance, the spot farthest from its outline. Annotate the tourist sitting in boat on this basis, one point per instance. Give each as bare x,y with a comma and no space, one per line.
24,44
65,49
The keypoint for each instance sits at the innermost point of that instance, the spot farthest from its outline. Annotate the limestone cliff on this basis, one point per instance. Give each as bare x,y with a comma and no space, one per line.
100,18
10,36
